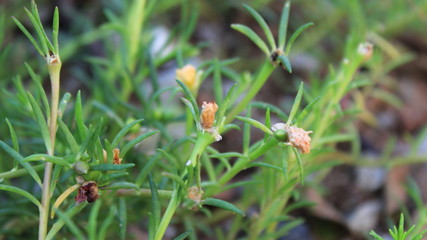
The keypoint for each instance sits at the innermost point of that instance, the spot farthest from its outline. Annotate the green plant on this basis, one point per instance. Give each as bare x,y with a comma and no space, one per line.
103,182
400,233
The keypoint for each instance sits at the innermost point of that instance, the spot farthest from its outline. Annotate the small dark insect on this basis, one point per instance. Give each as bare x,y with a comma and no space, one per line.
88,191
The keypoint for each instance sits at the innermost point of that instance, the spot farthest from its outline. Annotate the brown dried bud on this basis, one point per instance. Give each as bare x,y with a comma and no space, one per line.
116,158
296,137
195,194
207,117
88,191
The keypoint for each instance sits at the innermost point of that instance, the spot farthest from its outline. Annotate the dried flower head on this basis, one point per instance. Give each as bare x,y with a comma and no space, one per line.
365,49
296,137
207,117
187,75
116,158
195,194
88,191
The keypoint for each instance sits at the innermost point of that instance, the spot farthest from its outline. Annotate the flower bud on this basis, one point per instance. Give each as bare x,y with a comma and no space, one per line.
187,75
81,167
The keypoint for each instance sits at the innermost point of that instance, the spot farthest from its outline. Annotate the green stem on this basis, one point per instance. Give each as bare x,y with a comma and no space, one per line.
167,216
143,192
266,70
242,163
54,67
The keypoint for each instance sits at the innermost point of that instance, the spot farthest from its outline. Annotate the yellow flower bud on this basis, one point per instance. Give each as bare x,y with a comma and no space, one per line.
188,76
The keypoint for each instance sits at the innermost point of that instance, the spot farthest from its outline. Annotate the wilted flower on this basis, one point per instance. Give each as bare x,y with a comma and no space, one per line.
296,137
195,194
88,191
207,119
116,158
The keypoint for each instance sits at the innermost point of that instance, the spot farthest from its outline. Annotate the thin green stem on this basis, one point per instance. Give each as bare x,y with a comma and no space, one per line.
170,210
266,70
143,192
242,163
54,67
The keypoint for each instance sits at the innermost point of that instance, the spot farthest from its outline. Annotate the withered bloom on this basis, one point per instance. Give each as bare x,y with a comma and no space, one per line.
195,194
88,191
116,158
207,117
296,137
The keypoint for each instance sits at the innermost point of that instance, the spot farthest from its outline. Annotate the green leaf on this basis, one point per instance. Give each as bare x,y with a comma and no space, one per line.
123,132
55,30
375,235
256,124
122,218
228,155
108,177
41,122
263,25
121,185
111,167
71,141
93,221
44,37
184,235
47,158
65,218
106,224
16,156
135,141
252,36
155,201
190,97
79,117
305,111
300,165
63,104
263,164
272,108
295,35
40,90
39,31
15,142
224,105
191,109
21,192
284,165
222,204
283,26
296,103
147,169
285,62
28,35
